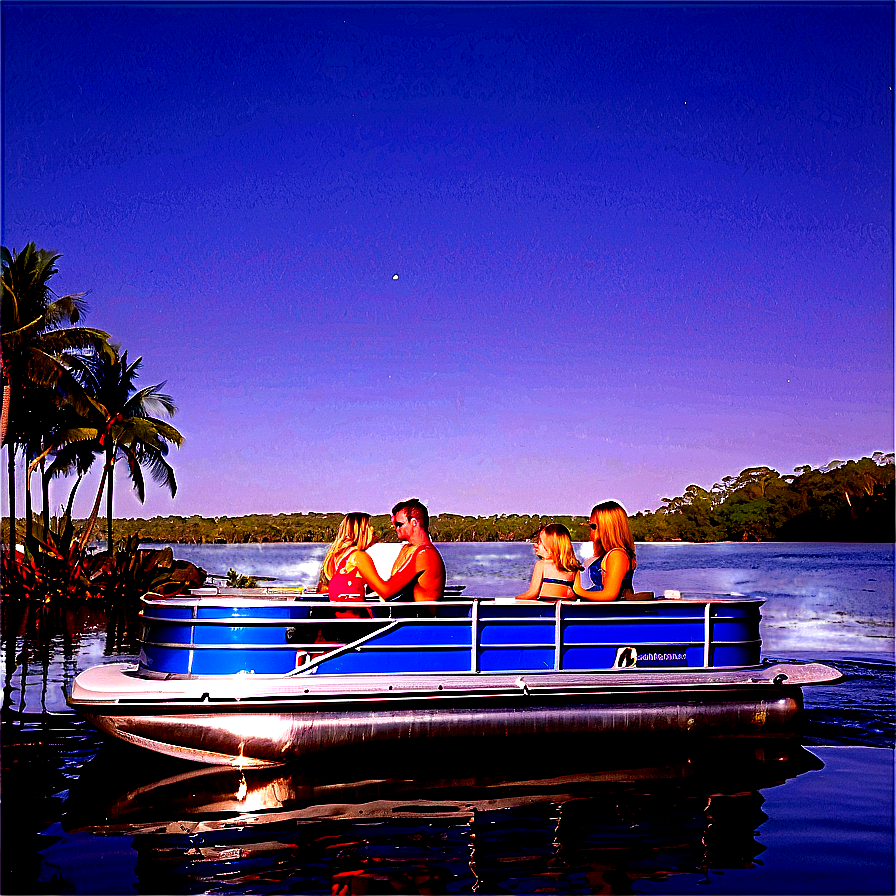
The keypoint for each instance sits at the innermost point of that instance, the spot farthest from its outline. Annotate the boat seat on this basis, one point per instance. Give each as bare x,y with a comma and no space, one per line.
641,595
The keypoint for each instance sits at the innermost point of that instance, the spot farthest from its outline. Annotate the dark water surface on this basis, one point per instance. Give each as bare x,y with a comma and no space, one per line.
811,815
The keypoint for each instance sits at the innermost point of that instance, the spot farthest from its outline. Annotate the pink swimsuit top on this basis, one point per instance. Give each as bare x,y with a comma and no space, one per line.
347,584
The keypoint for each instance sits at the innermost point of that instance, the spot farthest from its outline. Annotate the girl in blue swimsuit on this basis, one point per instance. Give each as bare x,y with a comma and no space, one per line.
556,567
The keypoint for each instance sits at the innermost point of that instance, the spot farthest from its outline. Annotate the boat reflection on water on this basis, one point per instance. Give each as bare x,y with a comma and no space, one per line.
571,814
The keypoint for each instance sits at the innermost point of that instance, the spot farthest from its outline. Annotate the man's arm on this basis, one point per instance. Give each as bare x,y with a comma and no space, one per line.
384,587
365,565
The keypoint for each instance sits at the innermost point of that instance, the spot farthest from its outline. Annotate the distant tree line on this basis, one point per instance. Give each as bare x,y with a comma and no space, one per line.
842,501
322,527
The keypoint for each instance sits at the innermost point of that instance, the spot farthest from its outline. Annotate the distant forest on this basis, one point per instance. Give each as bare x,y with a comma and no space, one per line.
842,501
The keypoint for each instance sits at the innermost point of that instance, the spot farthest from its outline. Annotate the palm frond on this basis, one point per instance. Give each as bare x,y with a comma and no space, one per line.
66,308
74,338
161,471
11,338
45,372
78,434
154,432
75,456
169,433
133,460
25,292
148,402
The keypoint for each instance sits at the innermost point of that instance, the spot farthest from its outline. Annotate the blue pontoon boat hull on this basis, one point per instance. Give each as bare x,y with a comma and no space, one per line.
245,678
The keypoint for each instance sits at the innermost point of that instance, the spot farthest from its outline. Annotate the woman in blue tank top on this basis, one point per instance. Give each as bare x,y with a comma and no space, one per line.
614,552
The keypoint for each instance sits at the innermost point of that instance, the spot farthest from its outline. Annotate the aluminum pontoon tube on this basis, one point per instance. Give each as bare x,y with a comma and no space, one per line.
259,736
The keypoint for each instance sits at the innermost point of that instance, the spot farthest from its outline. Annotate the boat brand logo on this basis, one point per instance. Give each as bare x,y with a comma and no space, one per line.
627,657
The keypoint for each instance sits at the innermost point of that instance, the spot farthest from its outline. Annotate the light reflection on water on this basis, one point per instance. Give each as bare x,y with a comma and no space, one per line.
560,818
456,817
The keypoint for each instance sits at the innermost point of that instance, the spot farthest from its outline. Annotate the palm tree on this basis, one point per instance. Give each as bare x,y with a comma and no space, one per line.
76,457
35,346
70,438
128,431
55,431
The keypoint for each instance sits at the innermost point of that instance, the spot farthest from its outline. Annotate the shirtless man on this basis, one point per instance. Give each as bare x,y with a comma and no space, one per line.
411,521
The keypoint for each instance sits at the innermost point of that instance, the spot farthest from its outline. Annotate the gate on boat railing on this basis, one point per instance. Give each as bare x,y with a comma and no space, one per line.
289,634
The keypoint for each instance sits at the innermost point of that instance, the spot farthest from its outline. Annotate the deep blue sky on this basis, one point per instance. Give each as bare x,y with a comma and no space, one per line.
637,246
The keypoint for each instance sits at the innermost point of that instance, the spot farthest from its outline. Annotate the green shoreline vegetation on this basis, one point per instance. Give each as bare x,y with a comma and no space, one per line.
843,501
70,399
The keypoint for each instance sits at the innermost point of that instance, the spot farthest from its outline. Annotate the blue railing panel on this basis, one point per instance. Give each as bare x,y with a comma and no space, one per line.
422,634
167,633
229,662
516,659
745,629
735,654
655,609
580,659
239,634
275,611
520,610
533,631
169,612
625,631
360,662
737,611
171,661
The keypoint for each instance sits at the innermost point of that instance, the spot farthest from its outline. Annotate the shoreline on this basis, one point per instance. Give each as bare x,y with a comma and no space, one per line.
436,540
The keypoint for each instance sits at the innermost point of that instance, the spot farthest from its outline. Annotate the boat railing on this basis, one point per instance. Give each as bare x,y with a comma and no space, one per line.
289,632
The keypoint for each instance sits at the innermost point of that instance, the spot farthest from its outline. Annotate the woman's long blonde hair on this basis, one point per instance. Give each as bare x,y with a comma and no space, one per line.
355,530
613,530
558,541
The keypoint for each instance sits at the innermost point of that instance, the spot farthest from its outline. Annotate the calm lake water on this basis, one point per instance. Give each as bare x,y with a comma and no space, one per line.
809,816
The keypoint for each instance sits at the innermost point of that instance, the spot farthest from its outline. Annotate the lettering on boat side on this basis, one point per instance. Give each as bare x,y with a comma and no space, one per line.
627,657
671,656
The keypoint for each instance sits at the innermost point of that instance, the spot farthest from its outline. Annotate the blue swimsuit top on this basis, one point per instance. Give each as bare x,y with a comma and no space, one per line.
592,576
554,598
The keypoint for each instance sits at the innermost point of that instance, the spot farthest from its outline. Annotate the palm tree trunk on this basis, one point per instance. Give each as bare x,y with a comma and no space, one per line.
4,411
84,537
45,493
71,497
29,472
110,460
110,580
29,531
11,455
